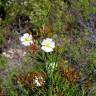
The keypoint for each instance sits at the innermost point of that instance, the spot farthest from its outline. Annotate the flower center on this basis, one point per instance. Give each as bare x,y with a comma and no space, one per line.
27,39
47,45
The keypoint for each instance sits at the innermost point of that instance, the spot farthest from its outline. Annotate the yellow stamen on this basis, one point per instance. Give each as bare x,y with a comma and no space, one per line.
27,39
47,45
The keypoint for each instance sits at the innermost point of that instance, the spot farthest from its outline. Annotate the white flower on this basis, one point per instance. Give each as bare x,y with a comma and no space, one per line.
26,39
48,45
38,81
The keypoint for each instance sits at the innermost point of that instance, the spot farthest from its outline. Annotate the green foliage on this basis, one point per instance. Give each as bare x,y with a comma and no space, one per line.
3,62
2,39
39,11
85,7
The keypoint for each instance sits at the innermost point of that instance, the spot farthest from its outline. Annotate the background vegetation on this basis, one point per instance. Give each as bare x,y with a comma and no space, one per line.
72,24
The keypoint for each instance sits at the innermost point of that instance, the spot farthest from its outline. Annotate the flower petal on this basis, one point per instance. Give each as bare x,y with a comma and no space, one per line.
47,49
22,39
46,41
43,42
26,35
30,37
26,43
52,44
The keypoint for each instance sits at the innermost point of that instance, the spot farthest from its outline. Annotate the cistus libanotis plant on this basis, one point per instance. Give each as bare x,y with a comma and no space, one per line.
47,58
45,47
